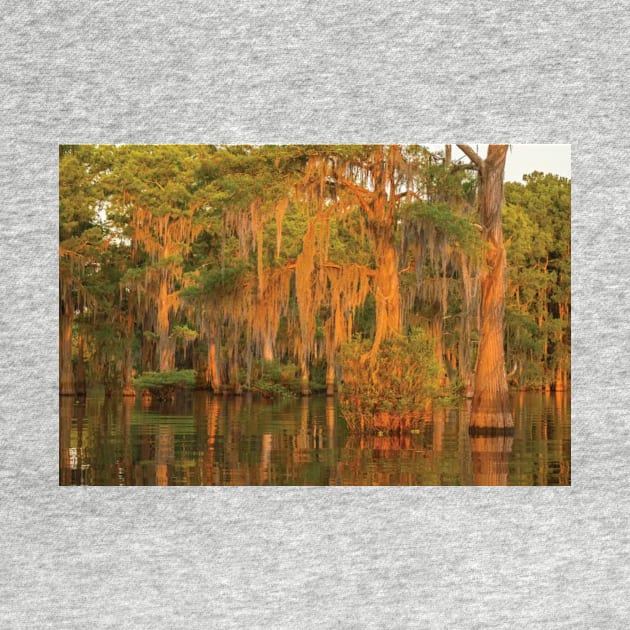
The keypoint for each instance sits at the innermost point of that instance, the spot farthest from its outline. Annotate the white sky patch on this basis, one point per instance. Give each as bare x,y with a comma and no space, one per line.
523,159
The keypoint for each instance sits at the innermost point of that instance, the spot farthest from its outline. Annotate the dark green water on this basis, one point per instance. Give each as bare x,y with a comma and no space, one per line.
204,440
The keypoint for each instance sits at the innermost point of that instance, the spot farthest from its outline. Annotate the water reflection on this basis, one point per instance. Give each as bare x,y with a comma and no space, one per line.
491,459
206,440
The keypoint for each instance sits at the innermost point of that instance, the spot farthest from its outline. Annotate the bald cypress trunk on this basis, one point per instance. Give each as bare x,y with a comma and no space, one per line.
148,354
80,383
213,359
127,372
267,349
128,389
166,351
305,387
330,377
66,376
386,284
491,405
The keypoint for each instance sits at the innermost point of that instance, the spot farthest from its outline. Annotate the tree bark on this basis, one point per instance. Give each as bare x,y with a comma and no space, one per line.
234,371
305,388
465,354
379,203
80,384
213,363
386,285
330,377
66,376
148,354
491,404
267,350
165,344
128,390
201,367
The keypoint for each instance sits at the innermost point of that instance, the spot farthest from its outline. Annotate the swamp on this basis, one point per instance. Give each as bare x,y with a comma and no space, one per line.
312,315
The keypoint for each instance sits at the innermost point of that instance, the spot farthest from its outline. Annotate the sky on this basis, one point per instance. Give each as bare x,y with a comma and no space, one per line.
525,158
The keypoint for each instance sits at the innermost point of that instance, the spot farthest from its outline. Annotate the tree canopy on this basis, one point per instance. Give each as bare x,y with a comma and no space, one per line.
291,269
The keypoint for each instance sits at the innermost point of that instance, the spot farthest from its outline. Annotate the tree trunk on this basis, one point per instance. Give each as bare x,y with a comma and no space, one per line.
305,388
201,367
234,371
267,350
448,152
491,404
380,206
148,346
128,390
330,377
213,366
66,376
386,285
165,343
437,332
561,380
80,384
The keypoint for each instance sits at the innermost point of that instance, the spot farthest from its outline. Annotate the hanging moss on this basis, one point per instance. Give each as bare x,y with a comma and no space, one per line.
229,258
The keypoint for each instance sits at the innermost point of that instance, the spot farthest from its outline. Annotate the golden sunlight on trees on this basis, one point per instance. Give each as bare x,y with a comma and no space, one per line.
378,273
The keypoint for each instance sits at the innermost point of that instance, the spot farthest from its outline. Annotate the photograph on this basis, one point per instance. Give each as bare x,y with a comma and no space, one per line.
315,315
290,341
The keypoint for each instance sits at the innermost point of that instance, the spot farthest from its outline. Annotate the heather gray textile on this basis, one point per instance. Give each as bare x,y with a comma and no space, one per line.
304,72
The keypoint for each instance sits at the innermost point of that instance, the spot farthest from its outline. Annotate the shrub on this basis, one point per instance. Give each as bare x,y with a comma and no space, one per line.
396,391
274,379
163,385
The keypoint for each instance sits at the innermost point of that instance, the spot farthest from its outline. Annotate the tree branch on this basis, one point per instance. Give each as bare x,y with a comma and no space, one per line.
412,193
473,155
359,192
464,167
331,265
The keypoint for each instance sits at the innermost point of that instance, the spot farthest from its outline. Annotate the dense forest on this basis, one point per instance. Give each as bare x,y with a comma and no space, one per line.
393,276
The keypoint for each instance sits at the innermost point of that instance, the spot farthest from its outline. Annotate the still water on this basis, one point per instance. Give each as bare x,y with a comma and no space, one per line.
200,439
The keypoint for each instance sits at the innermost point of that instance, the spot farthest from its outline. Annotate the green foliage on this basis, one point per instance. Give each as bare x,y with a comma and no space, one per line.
348,242
537,228
217,282
180,379
219,200
403,379
273,379
184,333
457,230
276,379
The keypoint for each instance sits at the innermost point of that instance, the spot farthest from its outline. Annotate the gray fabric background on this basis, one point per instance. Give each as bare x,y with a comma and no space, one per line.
303,72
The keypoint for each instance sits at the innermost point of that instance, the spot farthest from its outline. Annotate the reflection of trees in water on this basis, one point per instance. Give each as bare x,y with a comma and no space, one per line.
491,459
66,407
262,442
126,460
542,439
563,424
384,459
164,454
244,441
73,470
206,410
